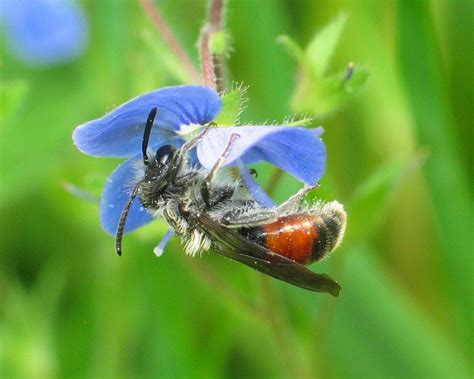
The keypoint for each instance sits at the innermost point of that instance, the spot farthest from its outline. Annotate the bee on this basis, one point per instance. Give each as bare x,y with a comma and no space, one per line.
209,211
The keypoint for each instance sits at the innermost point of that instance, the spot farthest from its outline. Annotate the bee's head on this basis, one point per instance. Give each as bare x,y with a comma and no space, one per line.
159,166
157,169
164,156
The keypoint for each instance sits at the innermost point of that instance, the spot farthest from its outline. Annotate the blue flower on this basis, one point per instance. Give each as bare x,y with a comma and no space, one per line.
44,32
182,110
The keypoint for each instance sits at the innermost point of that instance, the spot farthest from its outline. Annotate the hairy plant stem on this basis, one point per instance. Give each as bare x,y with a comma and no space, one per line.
207,62
212,65
170,39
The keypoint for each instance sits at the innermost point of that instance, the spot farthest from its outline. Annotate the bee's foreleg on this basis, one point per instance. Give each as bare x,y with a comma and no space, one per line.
184,150
206,183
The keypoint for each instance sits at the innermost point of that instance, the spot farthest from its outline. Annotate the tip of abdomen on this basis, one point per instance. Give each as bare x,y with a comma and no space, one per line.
331,228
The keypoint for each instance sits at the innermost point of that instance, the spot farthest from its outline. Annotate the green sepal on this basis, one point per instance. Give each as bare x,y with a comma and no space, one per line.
322,46
219,42
373,196
233,103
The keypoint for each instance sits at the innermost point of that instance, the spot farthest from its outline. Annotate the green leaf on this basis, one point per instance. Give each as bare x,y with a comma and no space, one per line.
233,103
294,50
11,95
315,92
321,48
378,317
448,172
372,197
326,95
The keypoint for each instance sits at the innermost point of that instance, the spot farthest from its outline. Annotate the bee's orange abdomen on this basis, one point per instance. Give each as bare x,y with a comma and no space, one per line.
301,237
292,236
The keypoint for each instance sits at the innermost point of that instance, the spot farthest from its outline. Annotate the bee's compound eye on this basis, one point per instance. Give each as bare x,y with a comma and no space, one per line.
164,154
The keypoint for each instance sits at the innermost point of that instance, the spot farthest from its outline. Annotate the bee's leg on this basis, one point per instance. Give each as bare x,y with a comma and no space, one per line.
183,179
195,140
206,184
220,194
294,200
249,219
185,149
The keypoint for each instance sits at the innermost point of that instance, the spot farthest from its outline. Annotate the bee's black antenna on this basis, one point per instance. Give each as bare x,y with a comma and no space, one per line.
123,219
126,209
146,134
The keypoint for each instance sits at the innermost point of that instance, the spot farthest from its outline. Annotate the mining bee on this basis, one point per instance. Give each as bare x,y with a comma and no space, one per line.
209,211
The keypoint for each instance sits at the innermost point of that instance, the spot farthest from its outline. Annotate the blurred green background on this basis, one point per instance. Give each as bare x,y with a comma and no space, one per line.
399,158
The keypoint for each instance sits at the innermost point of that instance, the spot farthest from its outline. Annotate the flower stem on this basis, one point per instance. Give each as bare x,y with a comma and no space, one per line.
217,19
216,13
207,61
169,38
212,65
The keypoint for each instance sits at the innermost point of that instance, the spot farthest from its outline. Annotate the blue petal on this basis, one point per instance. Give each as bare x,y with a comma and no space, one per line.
116,193
257,192
299,151
44,32
120,132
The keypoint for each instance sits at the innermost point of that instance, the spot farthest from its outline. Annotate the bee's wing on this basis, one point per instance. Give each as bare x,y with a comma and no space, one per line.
231,244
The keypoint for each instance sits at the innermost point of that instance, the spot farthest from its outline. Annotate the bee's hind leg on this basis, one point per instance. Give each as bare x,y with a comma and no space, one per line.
293,201
247,219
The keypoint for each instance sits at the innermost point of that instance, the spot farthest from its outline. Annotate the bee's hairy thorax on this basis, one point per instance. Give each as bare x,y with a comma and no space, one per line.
161,198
